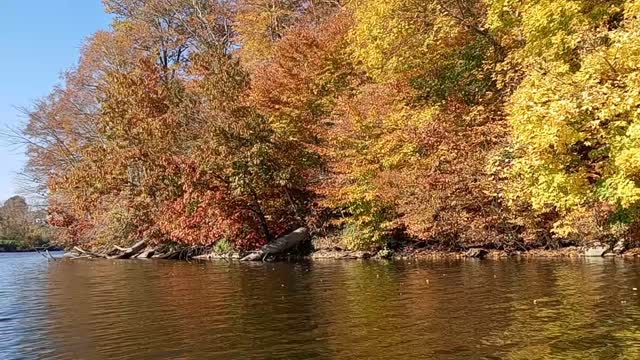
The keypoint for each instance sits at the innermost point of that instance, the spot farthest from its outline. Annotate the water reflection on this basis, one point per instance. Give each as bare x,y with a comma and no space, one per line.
324,310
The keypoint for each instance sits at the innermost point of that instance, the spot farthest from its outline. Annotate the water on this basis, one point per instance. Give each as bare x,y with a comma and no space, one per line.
584,309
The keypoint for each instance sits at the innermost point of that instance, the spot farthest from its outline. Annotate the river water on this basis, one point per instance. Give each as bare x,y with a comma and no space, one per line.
526,309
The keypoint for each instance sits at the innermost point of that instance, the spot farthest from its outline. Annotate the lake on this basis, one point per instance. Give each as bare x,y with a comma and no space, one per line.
463,309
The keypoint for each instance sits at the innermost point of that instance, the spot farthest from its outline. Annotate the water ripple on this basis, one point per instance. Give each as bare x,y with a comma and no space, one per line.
538,309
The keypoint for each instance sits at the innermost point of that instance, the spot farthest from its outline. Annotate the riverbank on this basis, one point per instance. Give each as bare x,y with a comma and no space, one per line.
15,246
299,245
29,250
427,254
11,250
571,252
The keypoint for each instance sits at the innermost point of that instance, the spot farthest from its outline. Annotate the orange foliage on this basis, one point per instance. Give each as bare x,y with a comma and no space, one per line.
198,121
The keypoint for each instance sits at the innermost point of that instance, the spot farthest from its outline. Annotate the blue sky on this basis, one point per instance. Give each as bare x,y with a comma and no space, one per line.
39,39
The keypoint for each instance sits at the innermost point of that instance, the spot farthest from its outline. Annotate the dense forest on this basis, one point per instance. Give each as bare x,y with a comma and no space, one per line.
501,123
22,228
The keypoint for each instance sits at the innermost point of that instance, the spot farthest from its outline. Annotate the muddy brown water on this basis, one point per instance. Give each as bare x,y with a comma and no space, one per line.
463,309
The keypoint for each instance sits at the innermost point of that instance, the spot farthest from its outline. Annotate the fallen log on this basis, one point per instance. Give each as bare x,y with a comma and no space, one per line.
114,251
75,256
38,251
146,254
129,252
49,254
169,255
280,245
88,253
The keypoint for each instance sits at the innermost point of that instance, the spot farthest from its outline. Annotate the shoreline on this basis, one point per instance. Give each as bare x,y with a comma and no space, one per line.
300,246
572,252
10,251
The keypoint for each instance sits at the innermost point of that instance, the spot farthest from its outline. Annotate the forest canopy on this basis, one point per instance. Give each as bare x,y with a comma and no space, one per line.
21,226
482,122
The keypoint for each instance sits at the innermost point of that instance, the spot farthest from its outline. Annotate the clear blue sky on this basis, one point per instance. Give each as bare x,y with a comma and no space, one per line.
38,40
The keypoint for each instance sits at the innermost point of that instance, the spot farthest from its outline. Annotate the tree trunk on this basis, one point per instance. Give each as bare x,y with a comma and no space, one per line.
134,250
280,245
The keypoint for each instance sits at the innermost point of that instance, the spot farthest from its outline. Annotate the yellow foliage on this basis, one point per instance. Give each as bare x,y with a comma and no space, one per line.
395,36
577,133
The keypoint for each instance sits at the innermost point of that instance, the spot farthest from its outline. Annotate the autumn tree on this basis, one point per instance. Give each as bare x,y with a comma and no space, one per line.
574,115
107,161
260,24
22,225
177,152
412,142
498,123
14,218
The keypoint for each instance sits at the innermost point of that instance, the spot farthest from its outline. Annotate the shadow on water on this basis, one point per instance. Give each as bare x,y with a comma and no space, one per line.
516,309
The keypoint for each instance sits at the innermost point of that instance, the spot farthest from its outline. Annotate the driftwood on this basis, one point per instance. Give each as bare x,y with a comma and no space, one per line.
41,254
140,250
88,253
129,252
146,254
116,253
280,245
47,255
168,255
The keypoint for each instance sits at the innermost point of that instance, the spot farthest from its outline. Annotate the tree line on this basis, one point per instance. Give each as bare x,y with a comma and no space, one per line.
22,228
482,122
